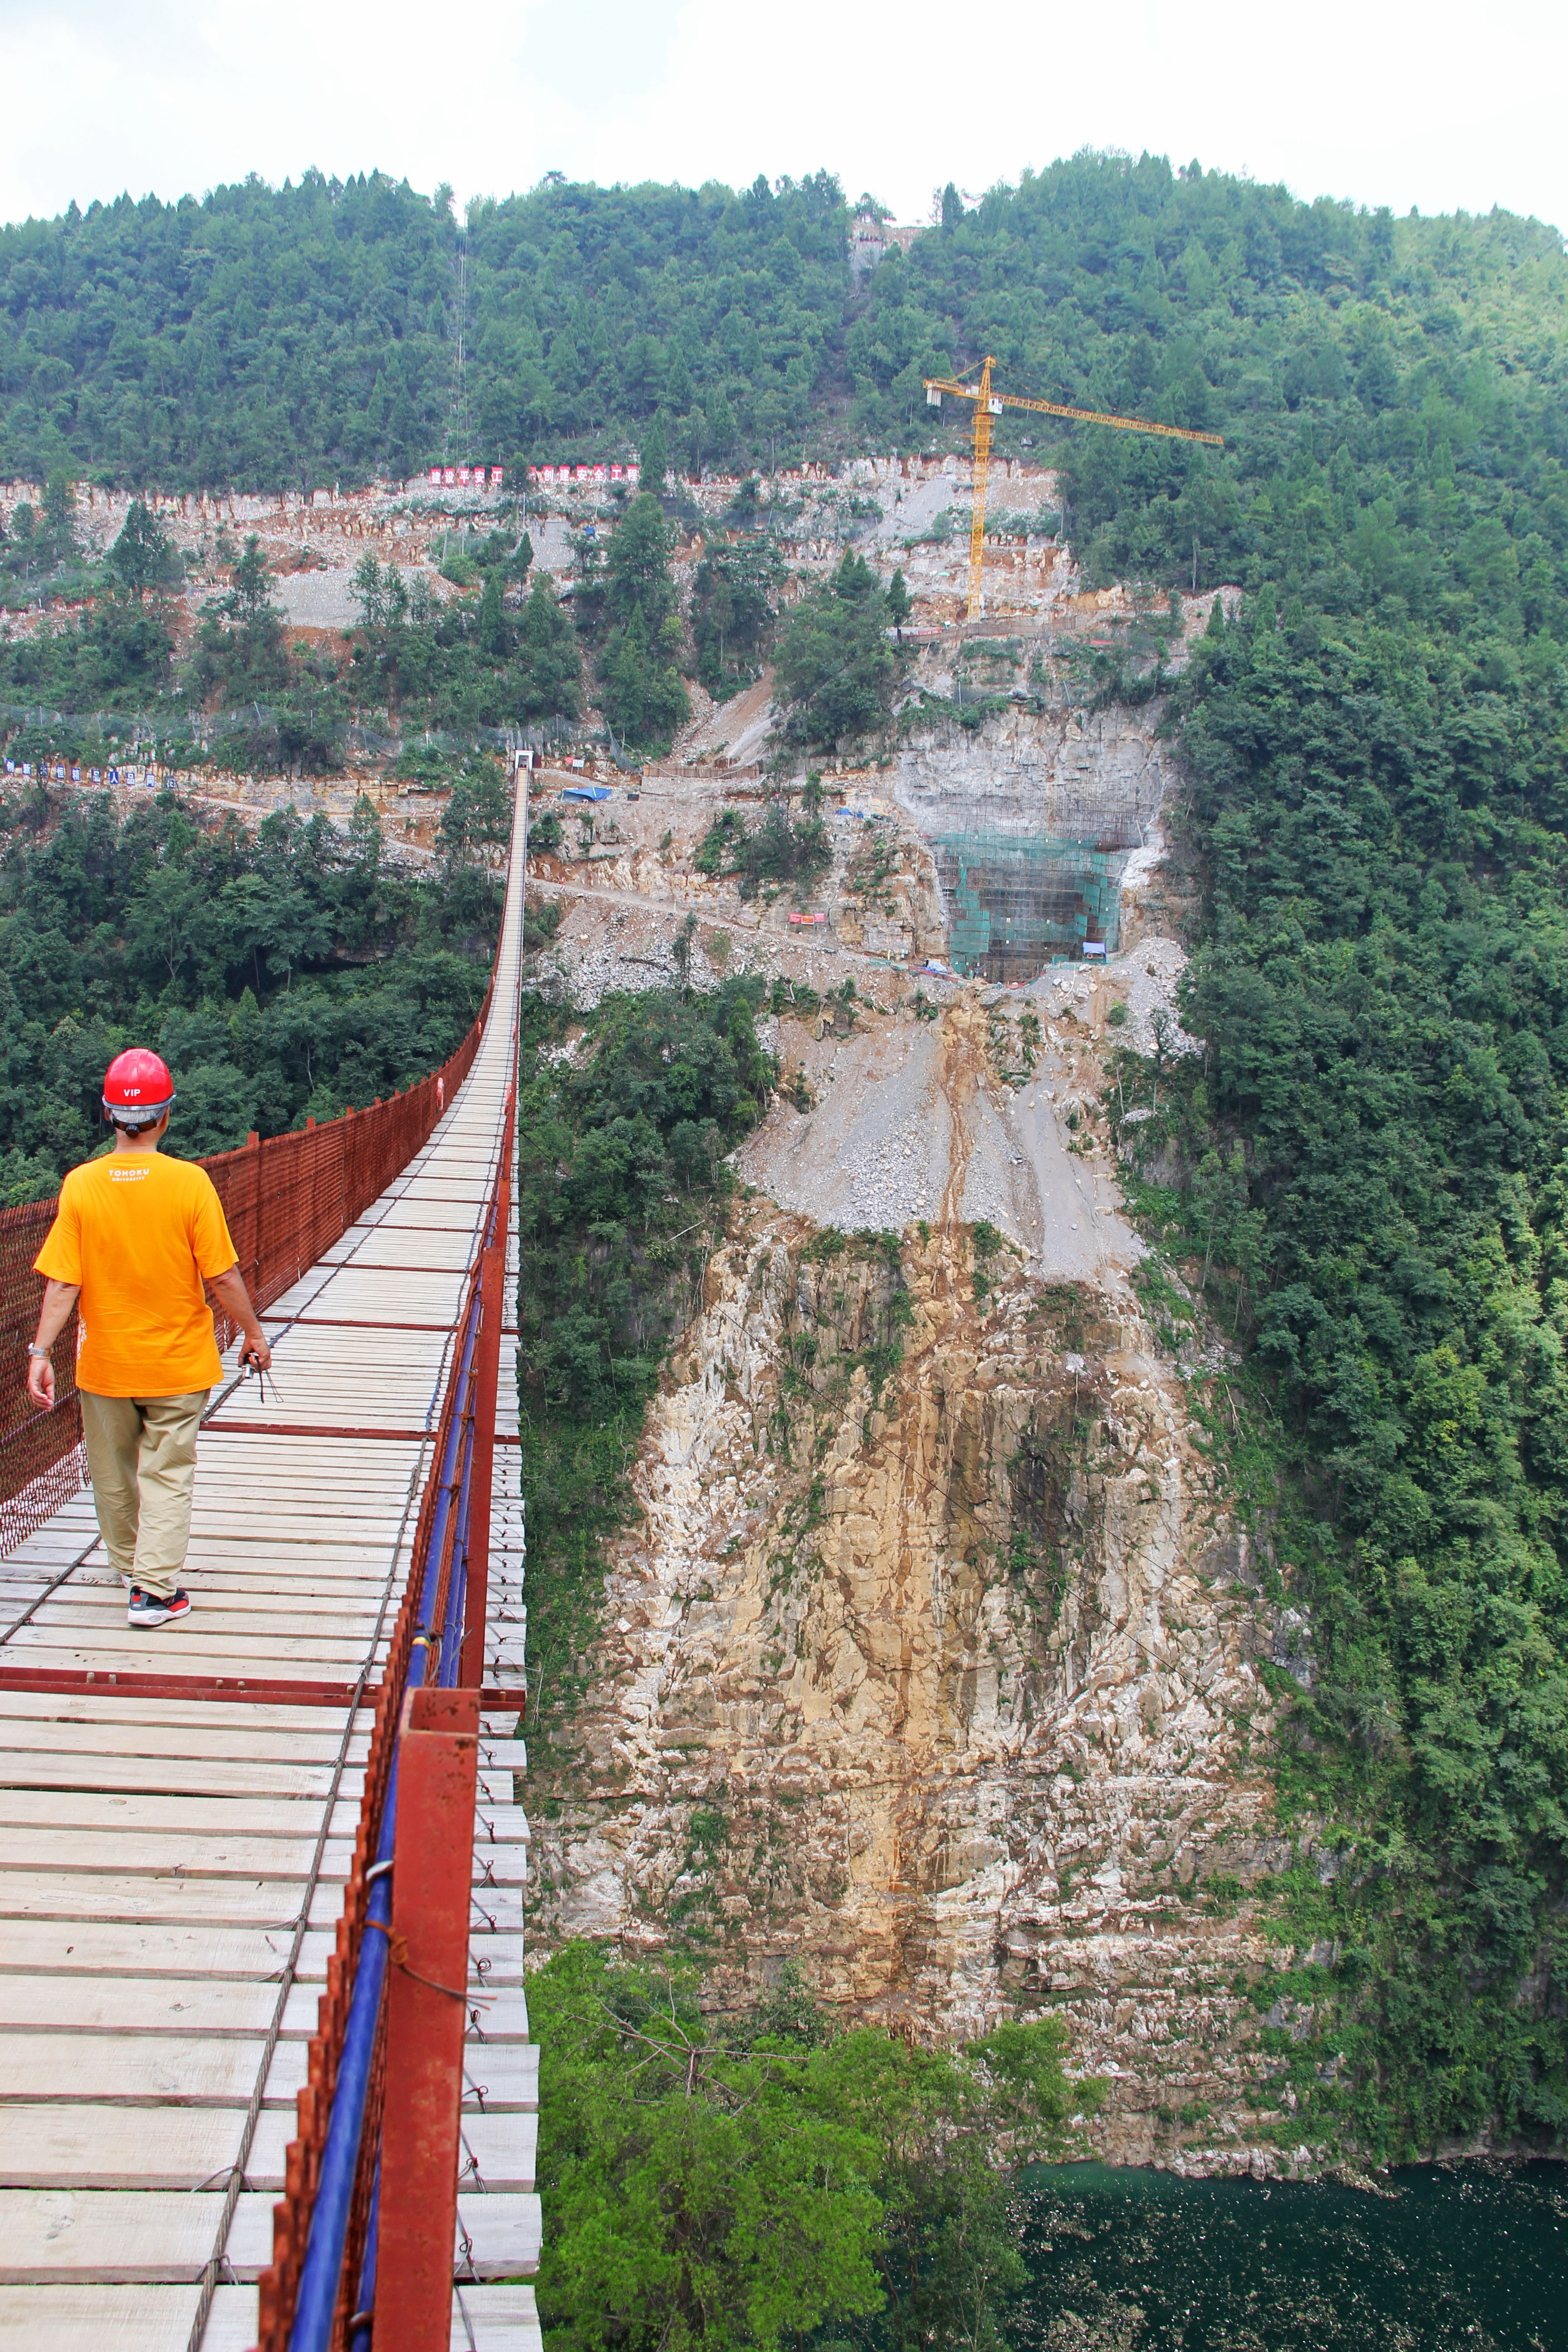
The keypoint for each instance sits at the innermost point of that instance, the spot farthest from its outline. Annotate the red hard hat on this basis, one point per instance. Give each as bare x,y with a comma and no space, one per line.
137,1085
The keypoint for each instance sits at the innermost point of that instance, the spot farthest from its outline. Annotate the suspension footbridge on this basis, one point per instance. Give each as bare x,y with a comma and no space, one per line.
265,2071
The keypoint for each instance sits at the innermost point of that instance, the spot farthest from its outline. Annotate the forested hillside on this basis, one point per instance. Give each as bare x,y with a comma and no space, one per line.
299,336
272,337
1372,1155
240,694
282,975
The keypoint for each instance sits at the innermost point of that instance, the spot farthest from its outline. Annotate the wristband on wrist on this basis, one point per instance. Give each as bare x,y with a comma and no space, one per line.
35,1350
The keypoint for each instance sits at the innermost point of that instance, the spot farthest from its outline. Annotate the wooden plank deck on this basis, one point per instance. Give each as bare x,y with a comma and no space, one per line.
172,1868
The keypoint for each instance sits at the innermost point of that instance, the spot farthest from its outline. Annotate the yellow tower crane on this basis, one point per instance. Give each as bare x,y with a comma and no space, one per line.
989,402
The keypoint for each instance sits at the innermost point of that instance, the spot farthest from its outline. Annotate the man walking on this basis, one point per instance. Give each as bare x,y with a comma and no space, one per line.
134,1236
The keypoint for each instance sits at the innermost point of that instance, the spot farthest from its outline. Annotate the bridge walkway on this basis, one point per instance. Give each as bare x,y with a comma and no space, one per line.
179,1809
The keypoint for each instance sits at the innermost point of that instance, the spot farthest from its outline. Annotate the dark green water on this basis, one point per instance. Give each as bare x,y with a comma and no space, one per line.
1470,2258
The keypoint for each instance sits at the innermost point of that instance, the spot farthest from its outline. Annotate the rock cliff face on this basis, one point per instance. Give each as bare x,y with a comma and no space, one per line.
930,1663
1064,773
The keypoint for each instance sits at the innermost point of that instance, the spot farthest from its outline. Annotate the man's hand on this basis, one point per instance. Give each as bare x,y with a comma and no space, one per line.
59,1298
232,1295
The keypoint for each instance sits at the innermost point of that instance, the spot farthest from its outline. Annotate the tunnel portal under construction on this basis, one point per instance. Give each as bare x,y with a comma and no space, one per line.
1031,834
1016,905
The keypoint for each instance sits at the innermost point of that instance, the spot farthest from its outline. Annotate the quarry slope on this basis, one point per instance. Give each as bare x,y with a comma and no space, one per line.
930,1657
932,1662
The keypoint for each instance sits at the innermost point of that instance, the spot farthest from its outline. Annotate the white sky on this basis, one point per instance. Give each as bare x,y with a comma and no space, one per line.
1382,100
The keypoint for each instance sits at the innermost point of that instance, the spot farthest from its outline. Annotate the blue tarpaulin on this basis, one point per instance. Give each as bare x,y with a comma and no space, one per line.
586,792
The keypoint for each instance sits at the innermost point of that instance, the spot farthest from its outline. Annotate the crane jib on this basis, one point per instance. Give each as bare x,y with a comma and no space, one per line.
996,401
989,402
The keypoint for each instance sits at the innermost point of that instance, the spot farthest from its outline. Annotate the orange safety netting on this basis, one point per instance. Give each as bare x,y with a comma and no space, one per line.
286,1200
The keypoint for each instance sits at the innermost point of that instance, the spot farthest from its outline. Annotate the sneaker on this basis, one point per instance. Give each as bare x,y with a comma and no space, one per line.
157,1608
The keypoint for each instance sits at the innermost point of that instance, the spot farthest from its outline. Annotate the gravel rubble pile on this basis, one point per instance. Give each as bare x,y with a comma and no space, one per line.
895,1182
1151,973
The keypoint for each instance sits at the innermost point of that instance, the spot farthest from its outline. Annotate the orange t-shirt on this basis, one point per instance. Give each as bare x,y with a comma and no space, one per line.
138,1232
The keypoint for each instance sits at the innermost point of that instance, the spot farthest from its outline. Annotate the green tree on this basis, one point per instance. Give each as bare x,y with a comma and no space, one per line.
549,656
475,824
774,851
637,566
725,2204
768,2178
493,633
836,672
732,612
1370,1103
639,681
951,2126
367,588
641,687
654,457
722,424
252,584
264,335
240,642
140,556
60,509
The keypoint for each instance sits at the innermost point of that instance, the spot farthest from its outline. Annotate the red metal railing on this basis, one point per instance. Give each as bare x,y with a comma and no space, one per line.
447,1591
286,1200
433,1902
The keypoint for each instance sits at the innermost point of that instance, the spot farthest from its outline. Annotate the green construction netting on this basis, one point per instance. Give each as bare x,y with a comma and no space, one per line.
1017,903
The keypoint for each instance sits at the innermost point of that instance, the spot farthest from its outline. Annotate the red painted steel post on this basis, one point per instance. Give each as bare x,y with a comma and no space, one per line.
426,2010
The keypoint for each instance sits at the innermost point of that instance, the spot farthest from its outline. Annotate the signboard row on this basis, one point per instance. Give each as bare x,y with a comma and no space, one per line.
59,772
585,473
466,478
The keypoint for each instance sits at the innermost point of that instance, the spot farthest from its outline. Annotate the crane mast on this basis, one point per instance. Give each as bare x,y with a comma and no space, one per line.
990,402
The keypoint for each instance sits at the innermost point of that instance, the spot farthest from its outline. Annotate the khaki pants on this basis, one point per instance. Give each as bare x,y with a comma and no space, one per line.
142,1459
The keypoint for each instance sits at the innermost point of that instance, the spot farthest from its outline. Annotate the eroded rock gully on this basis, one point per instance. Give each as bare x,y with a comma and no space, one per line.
930,1665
